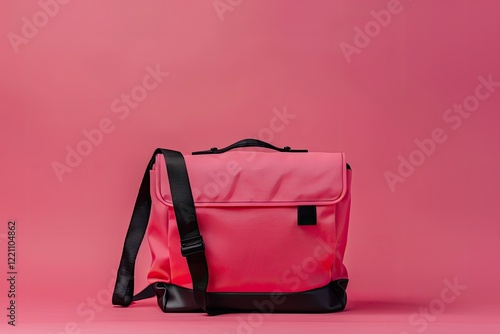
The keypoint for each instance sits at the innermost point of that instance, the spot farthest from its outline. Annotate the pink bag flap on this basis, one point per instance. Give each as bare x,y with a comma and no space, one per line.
255,178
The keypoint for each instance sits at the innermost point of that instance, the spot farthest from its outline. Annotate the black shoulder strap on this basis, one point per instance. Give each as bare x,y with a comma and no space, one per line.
192,246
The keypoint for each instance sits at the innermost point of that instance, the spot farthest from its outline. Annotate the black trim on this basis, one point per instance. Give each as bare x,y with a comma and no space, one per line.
250,142
347,166
329,298
306,215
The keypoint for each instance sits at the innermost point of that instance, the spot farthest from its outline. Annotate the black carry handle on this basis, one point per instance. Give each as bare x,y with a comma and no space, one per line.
250,142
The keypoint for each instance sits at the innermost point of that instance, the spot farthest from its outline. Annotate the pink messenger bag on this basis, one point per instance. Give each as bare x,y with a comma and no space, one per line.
241,231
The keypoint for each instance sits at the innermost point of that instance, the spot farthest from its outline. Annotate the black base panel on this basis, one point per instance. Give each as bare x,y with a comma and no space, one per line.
330,298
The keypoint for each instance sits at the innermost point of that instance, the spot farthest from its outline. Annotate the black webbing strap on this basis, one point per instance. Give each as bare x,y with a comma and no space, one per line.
192,246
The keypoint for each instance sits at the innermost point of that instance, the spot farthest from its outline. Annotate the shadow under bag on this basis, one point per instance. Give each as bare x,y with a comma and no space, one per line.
241,231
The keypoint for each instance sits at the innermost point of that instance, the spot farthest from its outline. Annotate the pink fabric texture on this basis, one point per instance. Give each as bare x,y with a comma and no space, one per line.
246,205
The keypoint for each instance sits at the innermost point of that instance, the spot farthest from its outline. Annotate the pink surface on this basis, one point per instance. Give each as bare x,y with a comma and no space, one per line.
409,90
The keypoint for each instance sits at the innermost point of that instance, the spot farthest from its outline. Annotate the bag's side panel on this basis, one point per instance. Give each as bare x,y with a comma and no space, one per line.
157,235
342,214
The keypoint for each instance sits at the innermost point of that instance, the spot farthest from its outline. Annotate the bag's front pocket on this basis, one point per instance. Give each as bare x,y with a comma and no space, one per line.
259,249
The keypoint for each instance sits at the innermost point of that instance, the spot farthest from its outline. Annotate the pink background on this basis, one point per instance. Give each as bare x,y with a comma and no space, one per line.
227,79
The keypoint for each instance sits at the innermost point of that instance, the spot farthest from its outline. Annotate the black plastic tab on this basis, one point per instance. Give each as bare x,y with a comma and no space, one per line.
307,215
192,246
